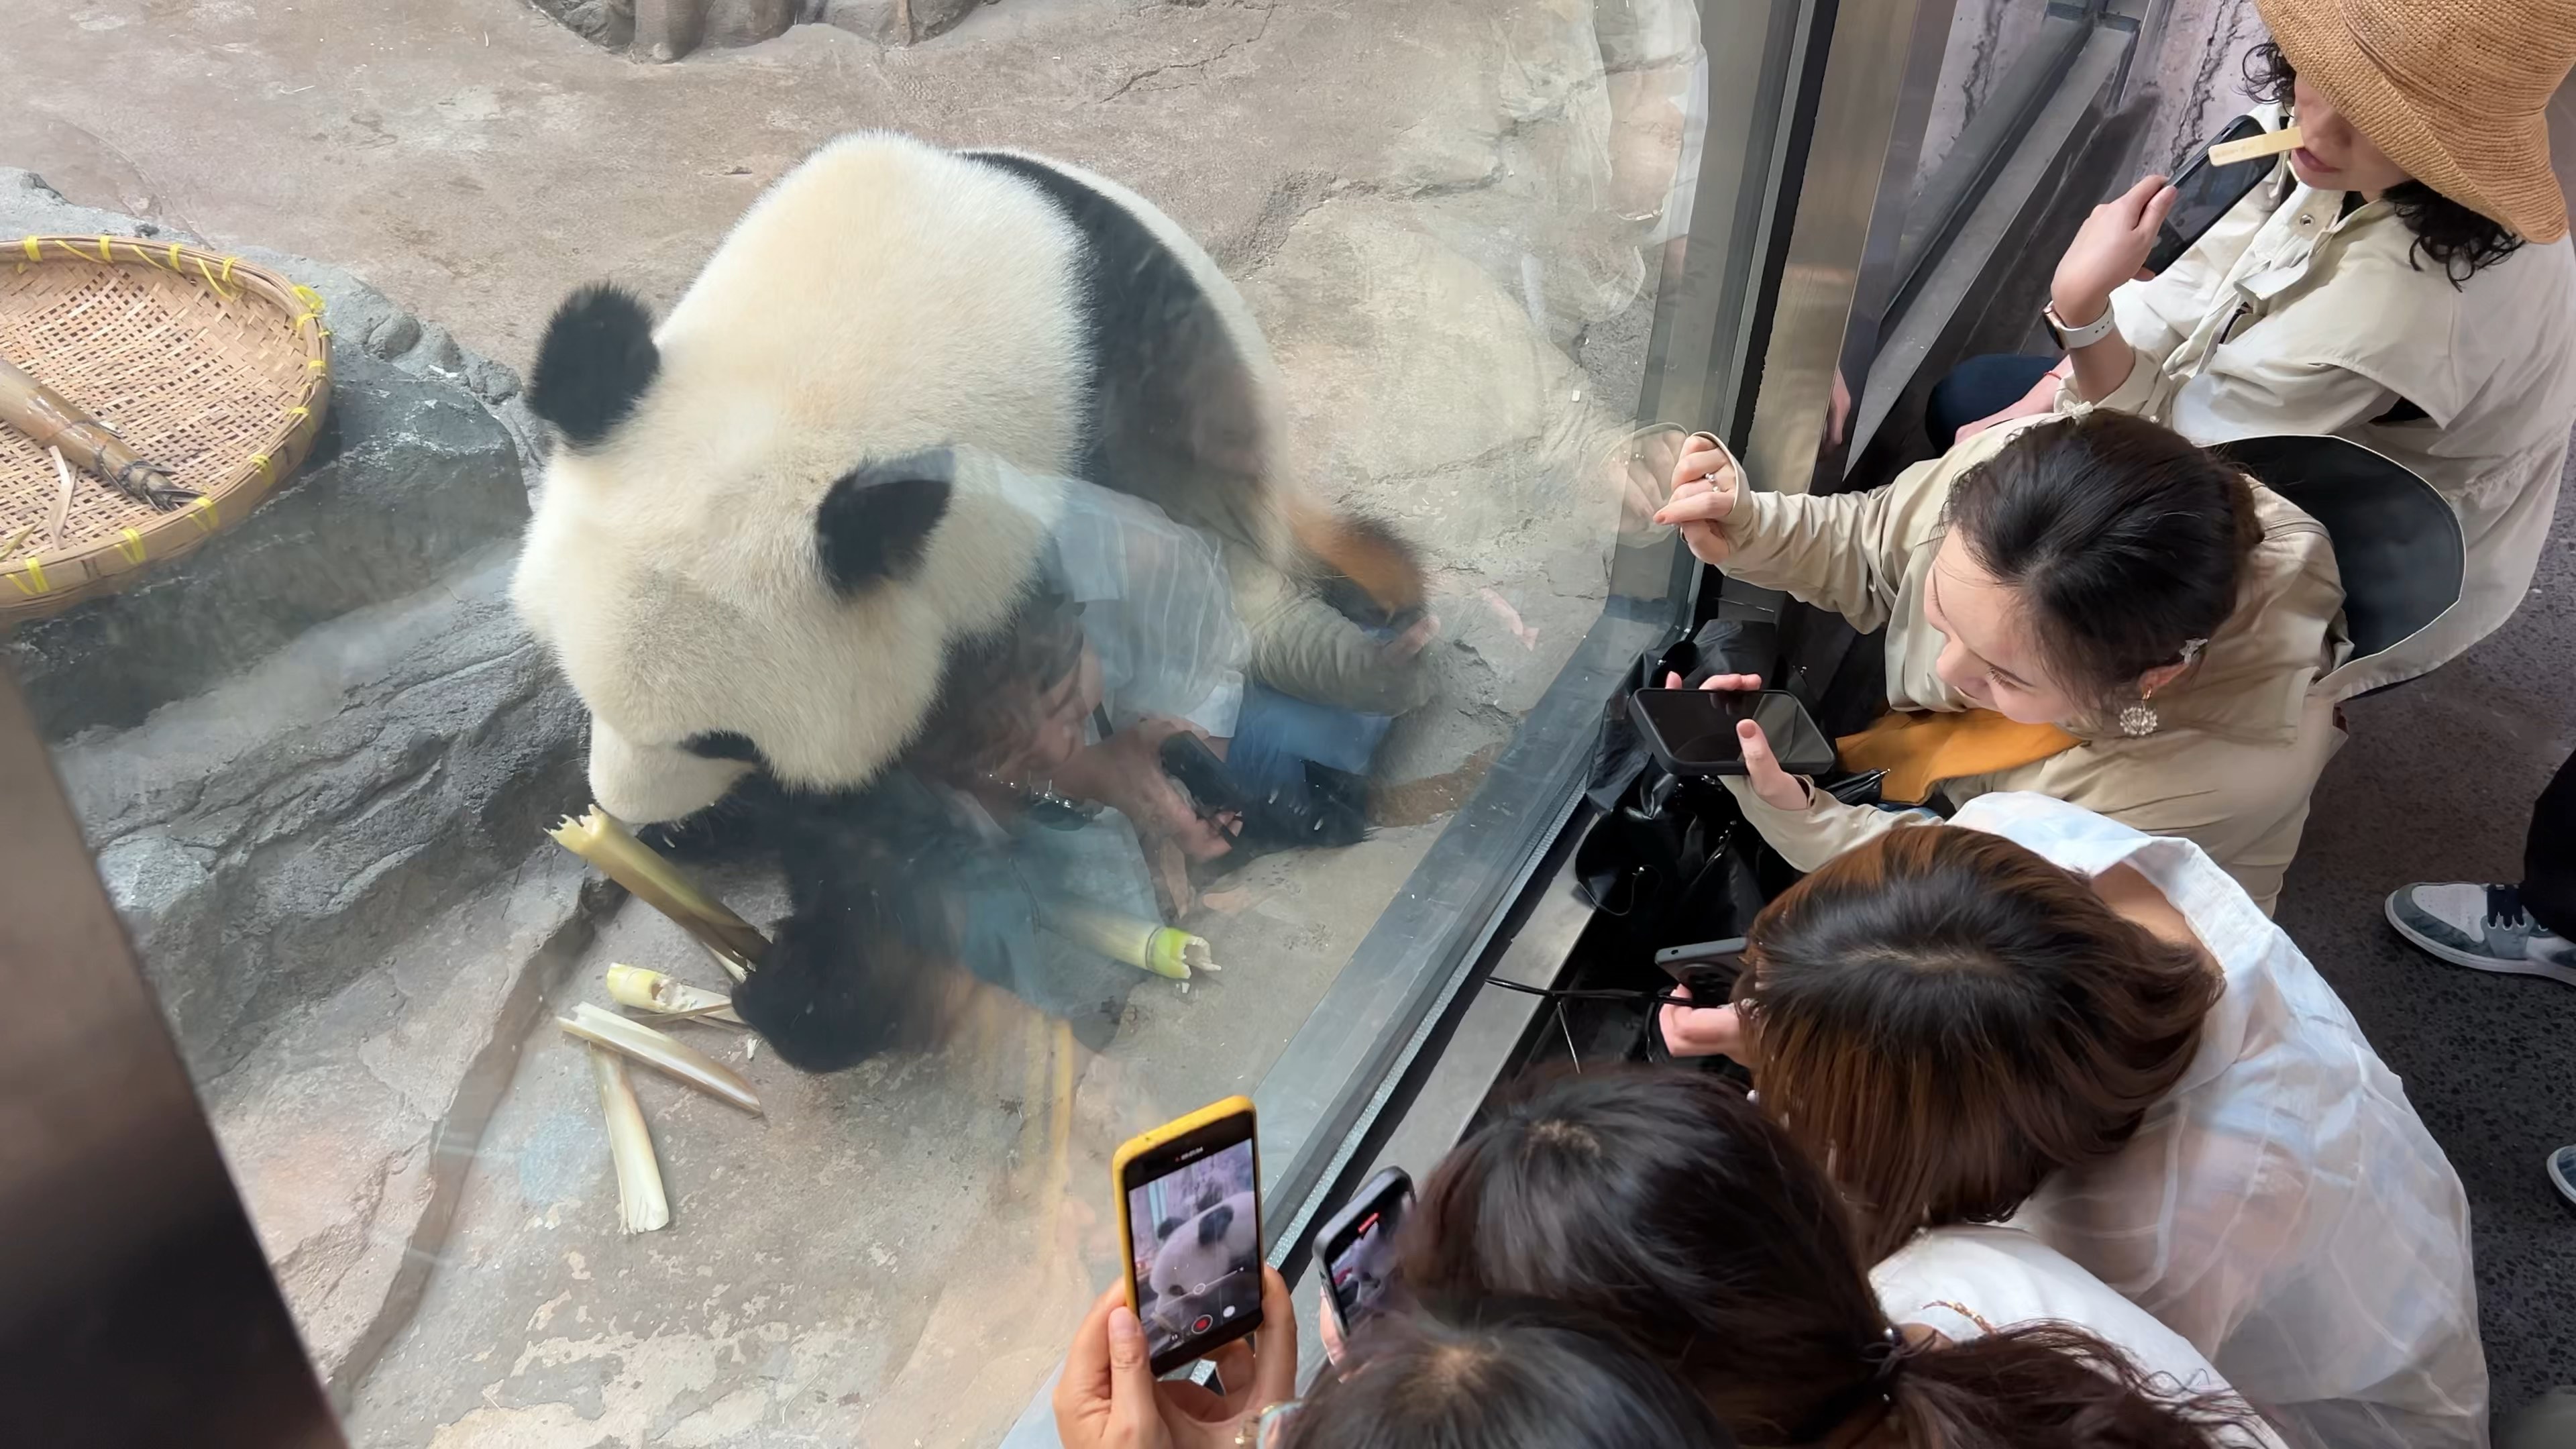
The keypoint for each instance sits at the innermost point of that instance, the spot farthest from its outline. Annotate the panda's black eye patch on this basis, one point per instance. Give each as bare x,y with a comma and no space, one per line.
723,745
876,520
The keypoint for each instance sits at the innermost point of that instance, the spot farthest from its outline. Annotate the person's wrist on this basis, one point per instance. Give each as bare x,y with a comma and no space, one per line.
2075,310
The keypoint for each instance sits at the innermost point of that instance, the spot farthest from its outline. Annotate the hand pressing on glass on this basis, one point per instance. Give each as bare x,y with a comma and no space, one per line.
1703,497
1108,1397
1770,784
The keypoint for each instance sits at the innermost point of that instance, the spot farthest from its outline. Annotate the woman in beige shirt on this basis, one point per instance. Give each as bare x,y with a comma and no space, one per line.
2100,610
2405,279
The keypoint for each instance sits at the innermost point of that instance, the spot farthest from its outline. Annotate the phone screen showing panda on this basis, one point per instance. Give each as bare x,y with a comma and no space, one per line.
1195,1226
1361,1249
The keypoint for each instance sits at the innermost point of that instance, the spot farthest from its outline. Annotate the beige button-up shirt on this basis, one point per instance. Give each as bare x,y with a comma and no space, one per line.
2291,316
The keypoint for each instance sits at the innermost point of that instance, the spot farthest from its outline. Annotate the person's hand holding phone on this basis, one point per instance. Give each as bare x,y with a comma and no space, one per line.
1704,1031
2111,249
1771,785
1108,1397
1703,498
1125,773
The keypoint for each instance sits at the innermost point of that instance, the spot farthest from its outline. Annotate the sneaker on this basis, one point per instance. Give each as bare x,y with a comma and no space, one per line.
2483,927
2562,1172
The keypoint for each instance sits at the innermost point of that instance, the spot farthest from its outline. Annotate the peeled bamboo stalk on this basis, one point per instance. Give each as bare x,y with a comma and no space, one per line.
668,996
1145,945
642,1205
660,1051
599,838
55,421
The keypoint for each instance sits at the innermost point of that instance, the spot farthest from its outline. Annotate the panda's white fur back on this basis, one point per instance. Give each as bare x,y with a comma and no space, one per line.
673,568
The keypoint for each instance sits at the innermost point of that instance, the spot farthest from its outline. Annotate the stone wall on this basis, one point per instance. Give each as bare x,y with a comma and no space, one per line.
665,30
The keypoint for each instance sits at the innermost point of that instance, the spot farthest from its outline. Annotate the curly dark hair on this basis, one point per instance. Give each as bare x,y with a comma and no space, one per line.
2460,241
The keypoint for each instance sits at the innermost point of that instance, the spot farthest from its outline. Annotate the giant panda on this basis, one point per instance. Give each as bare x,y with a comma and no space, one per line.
774,521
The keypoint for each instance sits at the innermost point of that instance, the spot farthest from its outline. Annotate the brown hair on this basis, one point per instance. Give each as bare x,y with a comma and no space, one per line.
1667,1207
1947,1018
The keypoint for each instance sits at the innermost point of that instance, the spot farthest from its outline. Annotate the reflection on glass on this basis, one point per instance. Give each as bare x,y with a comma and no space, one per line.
1055,606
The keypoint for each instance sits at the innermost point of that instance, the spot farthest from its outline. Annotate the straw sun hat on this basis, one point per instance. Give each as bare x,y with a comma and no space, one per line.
2455,91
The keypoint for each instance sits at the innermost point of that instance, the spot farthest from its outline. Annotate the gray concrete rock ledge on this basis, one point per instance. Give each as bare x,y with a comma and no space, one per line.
315,759
665,30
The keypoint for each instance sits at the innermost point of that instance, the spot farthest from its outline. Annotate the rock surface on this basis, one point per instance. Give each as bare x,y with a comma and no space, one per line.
270,840
352,1126
666,30
414,470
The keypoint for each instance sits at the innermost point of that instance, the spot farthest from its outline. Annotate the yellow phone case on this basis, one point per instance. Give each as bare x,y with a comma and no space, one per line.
1144,1142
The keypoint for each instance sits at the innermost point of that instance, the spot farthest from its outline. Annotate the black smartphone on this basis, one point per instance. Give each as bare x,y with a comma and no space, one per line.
1692,731
1707,968
1357,1248
1189,1206
2208,193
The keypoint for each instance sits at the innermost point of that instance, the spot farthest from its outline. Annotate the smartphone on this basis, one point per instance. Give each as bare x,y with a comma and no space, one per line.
1708,968
1357,1247
2208,193
1189,1209
1692,731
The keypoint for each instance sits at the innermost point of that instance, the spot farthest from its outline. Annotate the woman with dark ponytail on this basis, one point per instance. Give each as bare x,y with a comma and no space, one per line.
1668,1207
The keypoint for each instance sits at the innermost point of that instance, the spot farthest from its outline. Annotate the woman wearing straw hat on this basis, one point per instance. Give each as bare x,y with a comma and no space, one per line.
2405,280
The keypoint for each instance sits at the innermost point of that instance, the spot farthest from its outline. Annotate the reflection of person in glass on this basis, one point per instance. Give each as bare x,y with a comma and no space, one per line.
875,570
954,853
2088,607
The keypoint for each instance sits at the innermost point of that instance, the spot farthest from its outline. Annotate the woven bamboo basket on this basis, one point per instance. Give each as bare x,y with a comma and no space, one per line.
213,368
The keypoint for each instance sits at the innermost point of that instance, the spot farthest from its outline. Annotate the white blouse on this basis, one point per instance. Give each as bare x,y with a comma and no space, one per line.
2292,316
2283,1208
1975,1278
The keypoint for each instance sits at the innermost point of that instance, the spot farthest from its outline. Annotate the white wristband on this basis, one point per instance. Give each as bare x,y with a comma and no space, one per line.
2091,332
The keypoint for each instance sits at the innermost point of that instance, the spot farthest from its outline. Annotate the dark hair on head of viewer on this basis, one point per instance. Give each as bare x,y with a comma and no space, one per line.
1671,1208
1528,1378
2448,234
2125,540
1947,1018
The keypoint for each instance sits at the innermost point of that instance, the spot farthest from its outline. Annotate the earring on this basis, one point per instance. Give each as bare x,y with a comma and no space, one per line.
2140,720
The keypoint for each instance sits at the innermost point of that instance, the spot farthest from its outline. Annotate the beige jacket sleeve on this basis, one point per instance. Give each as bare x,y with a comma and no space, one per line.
1825,829
1852,552
1834,553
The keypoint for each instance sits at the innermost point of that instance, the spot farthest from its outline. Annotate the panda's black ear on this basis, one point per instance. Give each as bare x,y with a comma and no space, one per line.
877,518
596,361
1166,1228
1213,1223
